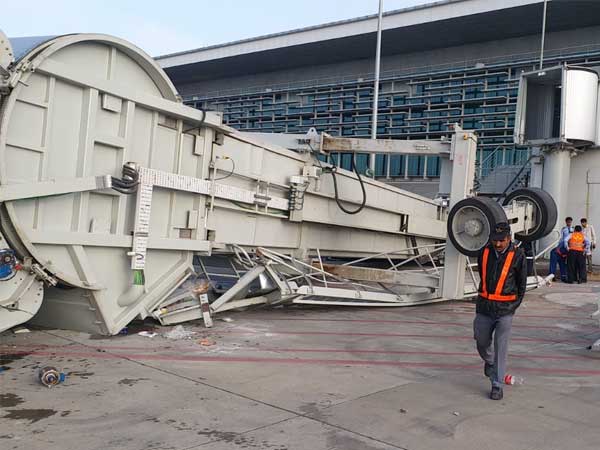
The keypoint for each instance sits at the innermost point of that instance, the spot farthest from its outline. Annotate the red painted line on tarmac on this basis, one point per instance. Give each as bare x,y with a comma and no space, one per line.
384,335
361,320
409,322
35,348
244,359
423,353
308,361
518,314
555,370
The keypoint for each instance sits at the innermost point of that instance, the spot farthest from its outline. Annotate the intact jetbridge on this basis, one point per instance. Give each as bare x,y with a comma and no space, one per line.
112,191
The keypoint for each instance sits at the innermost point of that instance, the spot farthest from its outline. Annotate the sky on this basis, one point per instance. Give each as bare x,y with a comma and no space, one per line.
160,27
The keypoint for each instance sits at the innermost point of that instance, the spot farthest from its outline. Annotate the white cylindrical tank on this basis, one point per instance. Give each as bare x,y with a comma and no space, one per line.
597,141
580,103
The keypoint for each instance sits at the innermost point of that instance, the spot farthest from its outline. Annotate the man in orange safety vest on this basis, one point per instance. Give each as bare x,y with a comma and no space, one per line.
503,272
578,246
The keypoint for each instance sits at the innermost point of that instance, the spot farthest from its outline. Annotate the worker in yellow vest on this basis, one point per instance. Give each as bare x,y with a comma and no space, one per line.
578,246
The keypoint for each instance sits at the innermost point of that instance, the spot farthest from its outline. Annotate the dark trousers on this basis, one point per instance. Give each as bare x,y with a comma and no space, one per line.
557,260
486,329
576,267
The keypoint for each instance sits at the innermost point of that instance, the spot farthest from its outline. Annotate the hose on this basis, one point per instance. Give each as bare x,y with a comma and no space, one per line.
332,171
362,187
129,183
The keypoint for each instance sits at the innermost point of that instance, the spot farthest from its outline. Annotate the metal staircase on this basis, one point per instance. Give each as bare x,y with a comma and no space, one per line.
501,173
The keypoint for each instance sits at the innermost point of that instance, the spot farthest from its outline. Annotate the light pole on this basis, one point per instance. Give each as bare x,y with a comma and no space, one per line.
376,87
543,34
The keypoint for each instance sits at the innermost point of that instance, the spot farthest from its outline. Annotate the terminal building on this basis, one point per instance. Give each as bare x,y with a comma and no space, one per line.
452,61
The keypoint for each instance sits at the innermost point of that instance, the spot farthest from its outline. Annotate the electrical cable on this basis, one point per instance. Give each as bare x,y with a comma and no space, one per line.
129,183
362,187
332,171
230,172
199,123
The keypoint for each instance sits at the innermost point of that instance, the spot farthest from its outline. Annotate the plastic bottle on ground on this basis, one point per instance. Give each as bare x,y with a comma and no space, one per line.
513,380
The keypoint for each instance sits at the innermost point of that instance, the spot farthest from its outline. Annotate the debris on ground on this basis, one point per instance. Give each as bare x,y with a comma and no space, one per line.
226,319
402,411
149,334
206,342
50,376
456,413
178,333
20,330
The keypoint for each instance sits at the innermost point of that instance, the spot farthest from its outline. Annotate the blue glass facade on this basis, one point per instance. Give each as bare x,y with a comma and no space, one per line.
418,105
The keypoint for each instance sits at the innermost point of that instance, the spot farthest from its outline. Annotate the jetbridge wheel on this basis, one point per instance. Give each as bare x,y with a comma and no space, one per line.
471,221
545,213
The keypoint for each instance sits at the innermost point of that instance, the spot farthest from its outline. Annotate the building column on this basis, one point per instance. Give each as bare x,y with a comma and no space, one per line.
537,168
372,163
388,159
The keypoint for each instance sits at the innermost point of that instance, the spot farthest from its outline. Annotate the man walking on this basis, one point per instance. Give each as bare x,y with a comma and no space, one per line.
558,256
590,235
578,246
503,272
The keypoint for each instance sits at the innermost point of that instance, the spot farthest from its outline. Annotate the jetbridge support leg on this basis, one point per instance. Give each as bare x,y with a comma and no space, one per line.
462,155
556,175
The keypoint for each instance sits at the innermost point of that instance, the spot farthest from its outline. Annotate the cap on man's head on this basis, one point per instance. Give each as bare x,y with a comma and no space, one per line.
578,228
500,231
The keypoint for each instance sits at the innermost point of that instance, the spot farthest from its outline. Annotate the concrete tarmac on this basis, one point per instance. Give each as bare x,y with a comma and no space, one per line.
311,379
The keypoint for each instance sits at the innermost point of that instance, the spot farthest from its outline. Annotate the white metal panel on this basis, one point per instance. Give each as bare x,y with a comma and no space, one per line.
75,125
597,141
580,104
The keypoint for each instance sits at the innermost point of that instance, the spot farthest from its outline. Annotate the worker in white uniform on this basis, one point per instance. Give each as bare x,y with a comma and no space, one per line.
590,235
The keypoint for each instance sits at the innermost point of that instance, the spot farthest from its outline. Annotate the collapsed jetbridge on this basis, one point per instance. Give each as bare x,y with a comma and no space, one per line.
113,193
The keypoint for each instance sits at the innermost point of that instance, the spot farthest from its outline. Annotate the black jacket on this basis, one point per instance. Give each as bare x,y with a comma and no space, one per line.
516,281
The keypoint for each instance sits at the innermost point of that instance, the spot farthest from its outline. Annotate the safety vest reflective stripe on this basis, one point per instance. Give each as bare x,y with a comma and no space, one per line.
497,295
484,292
576,242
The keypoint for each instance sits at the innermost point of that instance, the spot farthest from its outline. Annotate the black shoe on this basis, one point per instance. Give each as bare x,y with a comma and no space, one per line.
488,370
497,393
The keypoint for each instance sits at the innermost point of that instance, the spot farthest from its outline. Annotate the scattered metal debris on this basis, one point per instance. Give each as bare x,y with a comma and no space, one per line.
179,333
149,334
20,330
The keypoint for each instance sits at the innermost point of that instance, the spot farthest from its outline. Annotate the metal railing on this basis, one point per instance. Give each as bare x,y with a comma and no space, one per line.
490,162
503,156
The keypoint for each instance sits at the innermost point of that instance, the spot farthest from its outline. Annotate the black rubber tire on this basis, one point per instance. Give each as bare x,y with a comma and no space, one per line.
548,212
492,210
